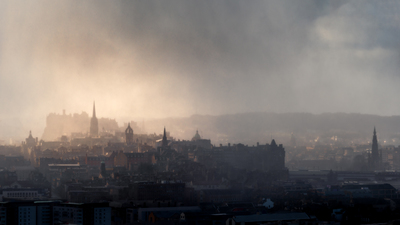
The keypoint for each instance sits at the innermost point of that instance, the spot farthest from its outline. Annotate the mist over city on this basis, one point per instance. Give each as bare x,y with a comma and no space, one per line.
199,112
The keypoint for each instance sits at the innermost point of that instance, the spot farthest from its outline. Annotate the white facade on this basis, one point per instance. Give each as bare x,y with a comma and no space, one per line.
21,194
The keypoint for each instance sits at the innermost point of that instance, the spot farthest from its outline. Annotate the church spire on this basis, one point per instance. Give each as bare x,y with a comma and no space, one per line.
94,109
94,123
164,142
374,139
375,156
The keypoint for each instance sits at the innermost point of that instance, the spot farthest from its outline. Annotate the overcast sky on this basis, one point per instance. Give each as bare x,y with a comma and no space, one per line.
154,59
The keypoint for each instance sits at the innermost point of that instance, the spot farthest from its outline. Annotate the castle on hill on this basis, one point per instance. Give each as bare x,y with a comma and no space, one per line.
58,125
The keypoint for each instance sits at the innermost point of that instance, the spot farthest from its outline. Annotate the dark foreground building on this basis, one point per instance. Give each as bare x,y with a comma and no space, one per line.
54,212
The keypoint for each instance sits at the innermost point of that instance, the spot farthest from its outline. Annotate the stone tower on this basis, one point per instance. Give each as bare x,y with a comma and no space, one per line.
129,135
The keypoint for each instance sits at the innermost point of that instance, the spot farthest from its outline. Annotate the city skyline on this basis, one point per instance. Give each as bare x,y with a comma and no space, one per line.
199,112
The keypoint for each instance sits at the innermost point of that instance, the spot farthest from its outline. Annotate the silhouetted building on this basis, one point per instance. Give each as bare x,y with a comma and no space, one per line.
75,126
196,137
375,158
94,123
27,212
129,135
30,141
164,142
277,156
157,191
82,213
103,172
197,142
268,157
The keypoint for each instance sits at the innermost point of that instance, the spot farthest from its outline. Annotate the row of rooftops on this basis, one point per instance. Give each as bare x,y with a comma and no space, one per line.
127,154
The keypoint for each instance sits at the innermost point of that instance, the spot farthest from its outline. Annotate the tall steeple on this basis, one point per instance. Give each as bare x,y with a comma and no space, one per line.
164,142
94,123
374,144
375,156
94,109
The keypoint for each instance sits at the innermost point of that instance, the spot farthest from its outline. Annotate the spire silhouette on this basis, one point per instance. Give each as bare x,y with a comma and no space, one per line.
94,109
375,156
164,142
94,123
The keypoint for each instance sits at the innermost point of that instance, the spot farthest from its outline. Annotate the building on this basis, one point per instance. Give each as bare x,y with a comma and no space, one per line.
23,172
27,212
54,212
129,135
152,214
375,157
94,124
131,160
196,142
164,142
268,157
103,172
29,145
30,141
26,215
82,213
269,218
23,193
221,195
95,161
376,190
158,191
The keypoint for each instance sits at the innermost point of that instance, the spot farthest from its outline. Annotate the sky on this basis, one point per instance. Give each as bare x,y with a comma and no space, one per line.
156,59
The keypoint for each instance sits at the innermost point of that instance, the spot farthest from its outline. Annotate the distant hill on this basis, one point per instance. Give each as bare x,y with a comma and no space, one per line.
249,128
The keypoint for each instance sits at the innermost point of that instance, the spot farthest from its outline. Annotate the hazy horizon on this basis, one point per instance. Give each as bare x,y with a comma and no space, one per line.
152,59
